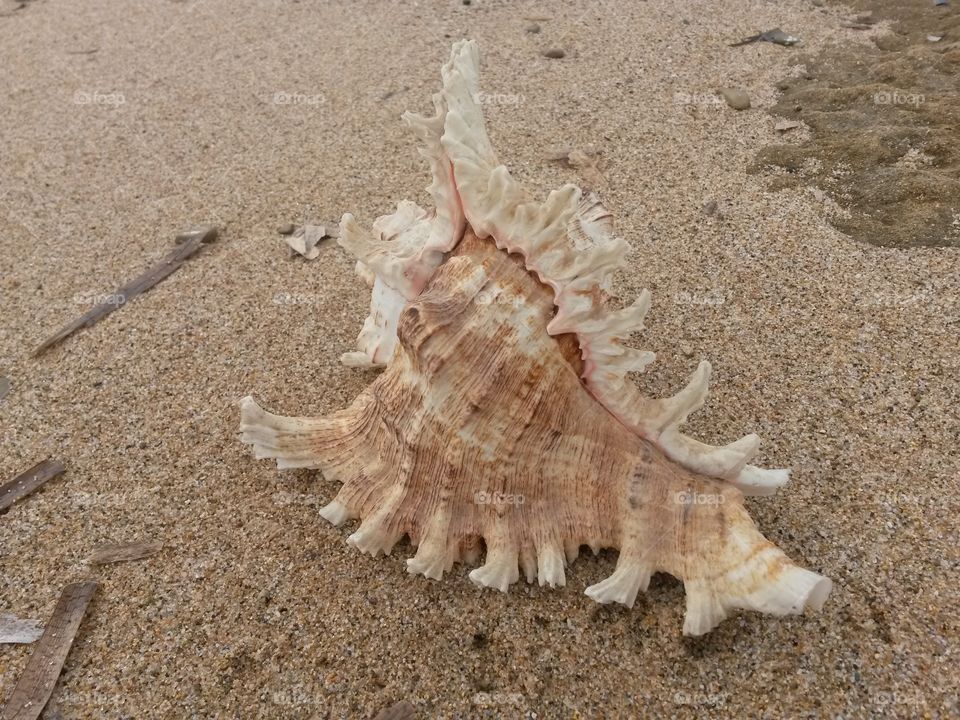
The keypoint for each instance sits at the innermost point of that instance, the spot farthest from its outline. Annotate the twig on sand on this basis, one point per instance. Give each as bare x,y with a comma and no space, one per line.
192,241
26,482
39,677
122,552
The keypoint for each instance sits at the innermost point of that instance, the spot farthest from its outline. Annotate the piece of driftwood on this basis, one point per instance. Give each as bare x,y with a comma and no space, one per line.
189,242
122,552
26,482
14,630
39,677
402,710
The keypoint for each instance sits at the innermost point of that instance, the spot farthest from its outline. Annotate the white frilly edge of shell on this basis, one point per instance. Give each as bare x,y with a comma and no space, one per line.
791,592
566,240
399,256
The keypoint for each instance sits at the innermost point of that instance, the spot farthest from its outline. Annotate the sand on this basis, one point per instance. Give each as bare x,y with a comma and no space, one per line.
124,122
883,120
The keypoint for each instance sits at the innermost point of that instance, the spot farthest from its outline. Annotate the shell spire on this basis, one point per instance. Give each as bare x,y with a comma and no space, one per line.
506,418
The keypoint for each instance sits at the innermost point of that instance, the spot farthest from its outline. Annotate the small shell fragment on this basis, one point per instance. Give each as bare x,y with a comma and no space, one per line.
305,240
13,630
586,160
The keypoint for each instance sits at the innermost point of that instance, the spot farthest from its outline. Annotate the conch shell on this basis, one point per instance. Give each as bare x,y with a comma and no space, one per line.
505,413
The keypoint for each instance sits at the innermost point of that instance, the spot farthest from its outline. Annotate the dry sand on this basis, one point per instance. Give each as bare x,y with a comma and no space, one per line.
842,356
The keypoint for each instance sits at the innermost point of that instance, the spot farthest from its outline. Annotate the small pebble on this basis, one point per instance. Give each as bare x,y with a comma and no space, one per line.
533,29
484,683
286,229
784,125
737,99
555,53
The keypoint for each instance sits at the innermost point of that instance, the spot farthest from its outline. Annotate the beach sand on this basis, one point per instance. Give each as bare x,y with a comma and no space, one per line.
124,122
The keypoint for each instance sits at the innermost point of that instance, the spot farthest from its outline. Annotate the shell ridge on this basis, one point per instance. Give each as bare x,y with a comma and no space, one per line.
436,447
496,205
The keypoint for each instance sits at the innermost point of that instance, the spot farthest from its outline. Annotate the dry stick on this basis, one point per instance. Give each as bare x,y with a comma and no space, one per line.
40,676
121,552
141,284
25,483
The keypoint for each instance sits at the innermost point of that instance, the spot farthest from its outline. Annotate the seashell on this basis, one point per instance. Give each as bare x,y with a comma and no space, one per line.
505,422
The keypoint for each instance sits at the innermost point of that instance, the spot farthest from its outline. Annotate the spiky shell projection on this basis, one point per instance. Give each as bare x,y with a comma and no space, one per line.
505,423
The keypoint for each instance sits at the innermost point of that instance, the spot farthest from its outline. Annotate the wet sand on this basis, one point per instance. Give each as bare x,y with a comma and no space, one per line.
883,118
